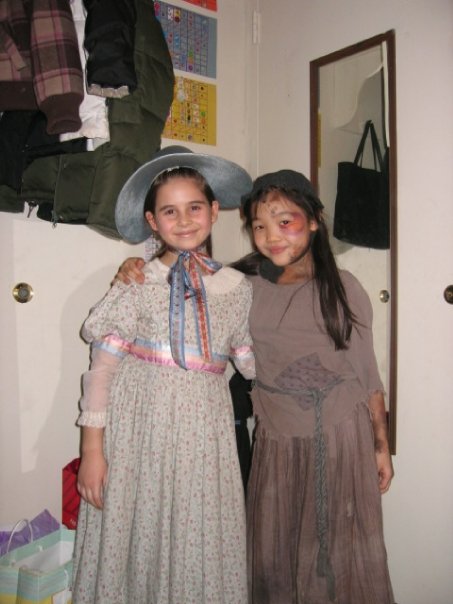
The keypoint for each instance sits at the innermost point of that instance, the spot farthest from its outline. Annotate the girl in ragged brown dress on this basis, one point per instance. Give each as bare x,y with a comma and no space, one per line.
321,457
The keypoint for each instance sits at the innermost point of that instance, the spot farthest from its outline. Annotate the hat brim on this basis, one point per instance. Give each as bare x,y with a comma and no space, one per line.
228,181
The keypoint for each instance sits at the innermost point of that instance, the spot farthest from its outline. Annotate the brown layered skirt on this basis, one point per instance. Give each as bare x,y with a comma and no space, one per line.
283,541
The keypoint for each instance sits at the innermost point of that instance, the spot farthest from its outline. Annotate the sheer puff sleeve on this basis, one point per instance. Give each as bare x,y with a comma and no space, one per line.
109,329
241,351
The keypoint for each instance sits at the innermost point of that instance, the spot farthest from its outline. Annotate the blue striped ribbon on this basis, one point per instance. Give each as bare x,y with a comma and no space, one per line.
186,282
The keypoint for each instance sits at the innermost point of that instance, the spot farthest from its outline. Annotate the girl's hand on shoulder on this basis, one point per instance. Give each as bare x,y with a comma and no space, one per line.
385,469
131,271
92,478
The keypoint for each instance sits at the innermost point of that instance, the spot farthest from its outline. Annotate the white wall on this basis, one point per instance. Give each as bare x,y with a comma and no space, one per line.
418,510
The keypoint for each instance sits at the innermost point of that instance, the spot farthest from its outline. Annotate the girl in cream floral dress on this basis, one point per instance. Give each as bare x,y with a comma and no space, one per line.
162,515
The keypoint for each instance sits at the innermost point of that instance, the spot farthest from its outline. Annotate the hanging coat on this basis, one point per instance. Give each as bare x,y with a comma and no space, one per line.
82,188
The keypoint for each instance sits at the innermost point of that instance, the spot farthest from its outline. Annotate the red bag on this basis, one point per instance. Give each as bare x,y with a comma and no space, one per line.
71,497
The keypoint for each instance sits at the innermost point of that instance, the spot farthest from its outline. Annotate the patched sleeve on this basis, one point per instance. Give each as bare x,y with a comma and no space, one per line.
110,329
241,351
361,353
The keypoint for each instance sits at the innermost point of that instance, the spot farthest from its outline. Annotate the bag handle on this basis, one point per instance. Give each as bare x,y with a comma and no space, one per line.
369,127
16,528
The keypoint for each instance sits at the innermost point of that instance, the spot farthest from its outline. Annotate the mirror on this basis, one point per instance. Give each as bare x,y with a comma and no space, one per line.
347,88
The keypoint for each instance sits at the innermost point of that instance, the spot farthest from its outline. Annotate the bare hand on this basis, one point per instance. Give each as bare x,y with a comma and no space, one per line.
385,470
92,478
131,271
381,444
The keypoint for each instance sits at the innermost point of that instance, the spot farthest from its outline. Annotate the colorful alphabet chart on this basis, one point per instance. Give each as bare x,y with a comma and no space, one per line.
192,115
191,39
209,4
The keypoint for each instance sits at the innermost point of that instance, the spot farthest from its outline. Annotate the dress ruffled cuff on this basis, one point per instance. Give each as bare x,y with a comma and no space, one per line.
92,419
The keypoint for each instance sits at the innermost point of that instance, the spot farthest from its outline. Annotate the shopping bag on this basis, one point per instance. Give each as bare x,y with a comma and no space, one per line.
40,572
70,495
25,531
362,212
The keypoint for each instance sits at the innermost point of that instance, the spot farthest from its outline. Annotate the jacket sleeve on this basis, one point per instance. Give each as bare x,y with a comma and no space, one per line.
109,41
56,65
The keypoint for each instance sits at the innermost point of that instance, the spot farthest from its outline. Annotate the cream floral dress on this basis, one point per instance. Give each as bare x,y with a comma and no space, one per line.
172,530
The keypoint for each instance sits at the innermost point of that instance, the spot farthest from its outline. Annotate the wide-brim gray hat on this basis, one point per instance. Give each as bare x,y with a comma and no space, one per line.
228,181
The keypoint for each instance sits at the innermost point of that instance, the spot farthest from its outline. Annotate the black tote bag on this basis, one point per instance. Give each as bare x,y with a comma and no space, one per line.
362,215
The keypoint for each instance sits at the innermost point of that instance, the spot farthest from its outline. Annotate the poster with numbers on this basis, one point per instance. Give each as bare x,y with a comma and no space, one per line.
192,115
191,39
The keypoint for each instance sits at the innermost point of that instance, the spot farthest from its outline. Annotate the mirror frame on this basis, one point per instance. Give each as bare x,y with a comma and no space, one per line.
315,65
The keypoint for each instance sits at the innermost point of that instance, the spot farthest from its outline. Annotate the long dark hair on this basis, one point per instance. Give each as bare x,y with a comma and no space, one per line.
164,178
337,315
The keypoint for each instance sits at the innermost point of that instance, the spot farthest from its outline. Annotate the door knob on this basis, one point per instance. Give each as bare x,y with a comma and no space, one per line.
23,292
448,294
384,296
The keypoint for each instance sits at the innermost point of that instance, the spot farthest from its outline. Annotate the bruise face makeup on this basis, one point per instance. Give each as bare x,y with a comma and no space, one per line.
281,229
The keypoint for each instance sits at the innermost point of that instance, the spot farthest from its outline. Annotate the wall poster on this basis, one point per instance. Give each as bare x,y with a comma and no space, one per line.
191,39
192,115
